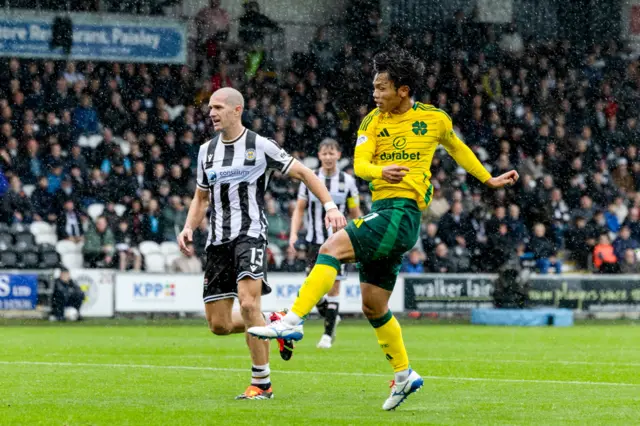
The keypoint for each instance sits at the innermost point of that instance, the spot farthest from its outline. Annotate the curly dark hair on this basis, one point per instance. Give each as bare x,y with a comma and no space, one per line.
403,69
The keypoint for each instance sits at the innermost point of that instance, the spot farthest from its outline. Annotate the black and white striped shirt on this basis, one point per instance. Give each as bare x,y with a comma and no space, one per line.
344,192
236,174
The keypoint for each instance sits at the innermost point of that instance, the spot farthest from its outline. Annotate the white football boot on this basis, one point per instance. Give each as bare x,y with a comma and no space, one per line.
278,330
400,391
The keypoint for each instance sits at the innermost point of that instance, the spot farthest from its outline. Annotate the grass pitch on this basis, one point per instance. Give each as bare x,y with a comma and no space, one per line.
177,373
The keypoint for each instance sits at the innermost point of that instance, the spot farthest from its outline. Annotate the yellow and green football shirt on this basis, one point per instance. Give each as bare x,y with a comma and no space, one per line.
409,140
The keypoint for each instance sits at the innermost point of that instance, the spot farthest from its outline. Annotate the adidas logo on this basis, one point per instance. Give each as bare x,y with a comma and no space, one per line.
384,133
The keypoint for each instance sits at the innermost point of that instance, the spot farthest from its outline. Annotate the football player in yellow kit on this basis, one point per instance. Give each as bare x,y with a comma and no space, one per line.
395,146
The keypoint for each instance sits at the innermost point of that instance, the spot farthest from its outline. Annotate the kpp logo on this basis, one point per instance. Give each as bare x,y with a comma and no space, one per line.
287,291
154,290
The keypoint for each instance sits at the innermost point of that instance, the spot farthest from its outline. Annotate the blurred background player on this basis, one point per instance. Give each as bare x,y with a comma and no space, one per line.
395,146
232,172
344,191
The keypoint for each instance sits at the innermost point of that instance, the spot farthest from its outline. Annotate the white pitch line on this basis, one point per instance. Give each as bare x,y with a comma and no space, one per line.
316,373
428,359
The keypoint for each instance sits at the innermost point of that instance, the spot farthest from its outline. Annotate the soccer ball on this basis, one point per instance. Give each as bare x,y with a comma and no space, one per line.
71,314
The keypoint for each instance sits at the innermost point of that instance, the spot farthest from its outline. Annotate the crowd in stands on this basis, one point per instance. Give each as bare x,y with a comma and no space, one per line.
76,134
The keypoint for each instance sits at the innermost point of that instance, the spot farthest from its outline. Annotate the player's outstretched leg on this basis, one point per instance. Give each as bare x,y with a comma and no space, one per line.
375,307
336,249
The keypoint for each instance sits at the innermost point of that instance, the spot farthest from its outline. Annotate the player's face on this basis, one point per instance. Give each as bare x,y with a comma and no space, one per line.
222,114
385,94
328,156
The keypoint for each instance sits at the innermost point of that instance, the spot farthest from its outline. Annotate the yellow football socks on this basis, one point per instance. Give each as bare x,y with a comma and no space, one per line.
317,284
390,340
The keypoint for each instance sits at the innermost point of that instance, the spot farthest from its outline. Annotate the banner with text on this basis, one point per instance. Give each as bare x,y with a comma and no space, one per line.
98,286
451,292
285,288
96,37
18,291
183,293
159,293
462,293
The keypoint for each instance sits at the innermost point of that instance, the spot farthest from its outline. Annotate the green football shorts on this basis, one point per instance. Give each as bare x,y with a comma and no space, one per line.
380,239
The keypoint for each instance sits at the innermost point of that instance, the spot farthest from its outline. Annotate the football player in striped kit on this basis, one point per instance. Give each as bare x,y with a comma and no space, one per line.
232,175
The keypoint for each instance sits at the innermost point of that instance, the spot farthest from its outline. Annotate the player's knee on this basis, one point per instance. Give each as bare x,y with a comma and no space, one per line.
249,305
219,329
329,247
369,311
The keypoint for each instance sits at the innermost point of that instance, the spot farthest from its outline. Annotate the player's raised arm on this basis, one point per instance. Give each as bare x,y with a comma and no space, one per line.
468,160
333,218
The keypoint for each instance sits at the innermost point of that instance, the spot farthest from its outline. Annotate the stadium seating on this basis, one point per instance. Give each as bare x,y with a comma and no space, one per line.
28,189
8,259
120,209
169,247
25,238
70,254
29,260
6,240
49,257
44,233
154,262
149,247
95,210
170,258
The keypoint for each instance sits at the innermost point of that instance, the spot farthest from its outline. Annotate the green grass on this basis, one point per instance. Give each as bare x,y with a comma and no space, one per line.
176,372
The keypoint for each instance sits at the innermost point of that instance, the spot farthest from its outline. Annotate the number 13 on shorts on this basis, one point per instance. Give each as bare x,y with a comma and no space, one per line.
256,257
365,218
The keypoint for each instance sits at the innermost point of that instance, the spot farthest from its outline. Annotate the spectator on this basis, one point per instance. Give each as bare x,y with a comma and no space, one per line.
16,205
43,201
212,27
69,223
129,256
85,117
516,226
624,242
119,183
441,262
252,25
630,264
500,247
413,262
611,218
187,263
430,240
543,251
30,166
451,224
99,246
152,224
604,258
461,257
66,293
173,218
633,222
577,242
438,207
